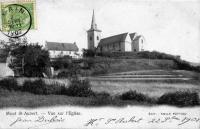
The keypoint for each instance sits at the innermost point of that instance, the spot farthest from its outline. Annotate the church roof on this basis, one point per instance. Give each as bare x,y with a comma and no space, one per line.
133,35
56,46
113,39
137,37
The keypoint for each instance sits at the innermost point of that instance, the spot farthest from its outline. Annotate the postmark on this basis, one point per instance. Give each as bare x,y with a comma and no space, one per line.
17,18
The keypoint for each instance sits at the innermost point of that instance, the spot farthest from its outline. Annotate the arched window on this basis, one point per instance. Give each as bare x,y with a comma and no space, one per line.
142,41
97,37
91,38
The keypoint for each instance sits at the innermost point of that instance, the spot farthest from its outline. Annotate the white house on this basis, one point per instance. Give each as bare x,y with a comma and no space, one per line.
57,49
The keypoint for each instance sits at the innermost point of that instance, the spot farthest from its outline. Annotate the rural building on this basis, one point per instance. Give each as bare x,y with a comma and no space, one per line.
121,42
62,49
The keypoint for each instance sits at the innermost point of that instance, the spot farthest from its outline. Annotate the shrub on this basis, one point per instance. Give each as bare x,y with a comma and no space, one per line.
180,98
88,53
39,87
101,99
133,95
100,69
79,88
9,84
63,74
61,62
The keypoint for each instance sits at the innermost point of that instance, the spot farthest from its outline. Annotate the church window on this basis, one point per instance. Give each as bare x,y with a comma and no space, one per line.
97,37
91,38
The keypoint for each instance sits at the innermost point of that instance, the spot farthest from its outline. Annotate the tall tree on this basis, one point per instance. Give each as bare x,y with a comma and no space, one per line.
29,60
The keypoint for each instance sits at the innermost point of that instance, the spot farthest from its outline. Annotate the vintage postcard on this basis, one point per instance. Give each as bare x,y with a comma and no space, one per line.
77,64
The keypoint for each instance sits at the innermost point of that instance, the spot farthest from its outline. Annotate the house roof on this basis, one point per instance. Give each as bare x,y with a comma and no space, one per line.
113,39
61,46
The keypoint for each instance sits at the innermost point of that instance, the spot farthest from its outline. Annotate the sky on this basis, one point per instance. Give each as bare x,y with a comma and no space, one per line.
170,26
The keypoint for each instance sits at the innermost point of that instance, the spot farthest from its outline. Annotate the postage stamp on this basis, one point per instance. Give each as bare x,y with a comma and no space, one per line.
17,18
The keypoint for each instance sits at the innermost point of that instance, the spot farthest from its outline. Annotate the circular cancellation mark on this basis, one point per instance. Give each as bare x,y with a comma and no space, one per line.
16,20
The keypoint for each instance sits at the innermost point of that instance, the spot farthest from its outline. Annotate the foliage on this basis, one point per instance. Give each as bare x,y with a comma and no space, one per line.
63,74
72,72
180,98
9,84
100,69
31,59
61,62
40,87
135,96
79,88
102,98
88,53
7,46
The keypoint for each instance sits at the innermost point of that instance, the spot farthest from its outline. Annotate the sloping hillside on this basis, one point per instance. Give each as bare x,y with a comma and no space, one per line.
110,65
145,60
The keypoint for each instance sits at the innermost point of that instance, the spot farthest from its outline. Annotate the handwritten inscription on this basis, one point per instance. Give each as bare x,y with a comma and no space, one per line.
136,120
36,119
39,119
108,121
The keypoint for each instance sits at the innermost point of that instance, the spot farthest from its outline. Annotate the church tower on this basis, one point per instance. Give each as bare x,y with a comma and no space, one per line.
93,34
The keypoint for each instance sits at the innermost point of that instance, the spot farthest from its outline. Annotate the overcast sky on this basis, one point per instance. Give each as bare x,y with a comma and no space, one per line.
171,26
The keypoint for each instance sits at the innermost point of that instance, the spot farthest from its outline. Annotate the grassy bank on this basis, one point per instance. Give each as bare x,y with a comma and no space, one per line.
82,93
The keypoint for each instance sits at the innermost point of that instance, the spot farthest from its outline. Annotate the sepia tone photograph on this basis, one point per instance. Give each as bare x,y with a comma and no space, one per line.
98,54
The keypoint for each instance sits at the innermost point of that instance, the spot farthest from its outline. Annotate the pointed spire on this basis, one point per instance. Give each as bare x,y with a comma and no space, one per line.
93,24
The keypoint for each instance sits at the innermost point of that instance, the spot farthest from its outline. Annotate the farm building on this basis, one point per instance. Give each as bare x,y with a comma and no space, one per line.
57,49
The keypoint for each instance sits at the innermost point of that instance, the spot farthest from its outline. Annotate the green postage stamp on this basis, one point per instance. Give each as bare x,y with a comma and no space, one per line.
17,17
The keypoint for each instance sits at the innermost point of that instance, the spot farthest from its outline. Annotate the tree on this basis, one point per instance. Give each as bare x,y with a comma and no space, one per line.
62,62
30,60
88,53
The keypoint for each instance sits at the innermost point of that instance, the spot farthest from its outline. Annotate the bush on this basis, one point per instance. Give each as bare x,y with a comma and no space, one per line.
133,95
88,53
180,98
63,74
61,62
100,69
101,99
39,87
9,84
79,88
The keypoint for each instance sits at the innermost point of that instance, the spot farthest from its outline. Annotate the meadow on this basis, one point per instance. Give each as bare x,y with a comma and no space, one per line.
108,87
150,82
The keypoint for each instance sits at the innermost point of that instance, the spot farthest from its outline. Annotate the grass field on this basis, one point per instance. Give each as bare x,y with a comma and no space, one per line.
29,100
148,82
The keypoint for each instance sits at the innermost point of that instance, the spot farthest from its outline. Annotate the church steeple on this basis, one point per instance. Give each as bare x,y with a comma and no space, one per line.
93,24
93,34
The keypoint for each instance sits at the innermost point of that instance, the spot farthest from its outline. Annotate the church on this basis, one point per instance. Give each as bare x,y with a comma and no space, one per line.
125,42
